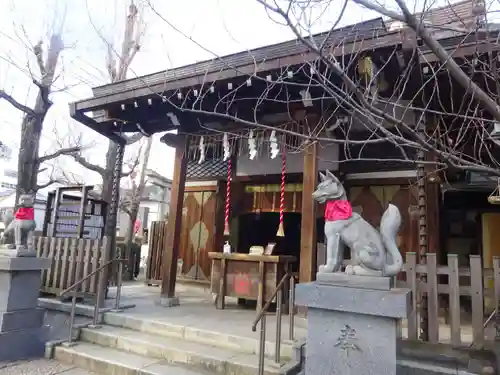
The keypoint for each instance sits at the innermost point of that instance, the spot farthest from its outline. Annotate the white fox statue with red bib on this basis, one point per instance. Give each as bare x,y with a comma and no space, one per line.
22,228
373,253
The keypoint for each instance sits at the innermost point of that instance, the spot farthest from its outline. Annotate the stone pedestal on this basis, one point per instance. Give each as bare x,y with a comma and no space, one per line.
352,324
22,334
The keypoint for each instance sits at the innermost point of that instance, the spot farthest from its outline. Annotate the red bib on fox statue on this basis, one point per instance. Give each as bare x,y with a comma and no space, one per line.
338,210
25,213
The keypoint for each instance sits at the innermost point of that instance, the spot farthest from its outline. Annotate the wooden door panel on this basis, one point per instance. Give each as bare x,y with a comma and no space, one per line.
372,201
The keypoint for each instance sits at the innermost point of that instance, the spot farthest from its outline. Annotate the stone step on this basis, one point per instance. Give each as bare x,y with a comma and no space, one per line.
108,361
206,357
242,344
409,367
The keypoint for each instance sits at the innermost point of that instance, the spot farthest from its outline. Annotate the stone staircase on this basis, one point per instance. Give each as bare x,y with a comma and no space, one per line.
126,345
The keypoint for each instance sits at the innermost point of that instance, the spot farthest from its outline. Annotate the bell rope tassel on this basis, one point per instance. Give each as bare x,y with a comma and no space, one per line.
228,199
281,230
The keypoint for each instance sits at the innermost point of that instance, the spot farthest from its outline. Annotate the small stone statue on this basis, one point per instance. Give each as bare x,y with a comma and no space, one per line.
7,218
369,247
22,227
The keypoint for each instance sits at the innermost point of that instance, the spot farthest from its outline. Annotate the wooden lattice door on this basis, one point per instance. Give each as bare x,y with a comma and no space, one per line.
197,233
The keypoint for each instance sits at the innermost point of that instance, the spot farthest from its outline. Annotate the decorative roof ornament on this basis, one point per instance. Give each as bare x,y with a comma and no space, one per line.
252,146
226,146
274,145
202,150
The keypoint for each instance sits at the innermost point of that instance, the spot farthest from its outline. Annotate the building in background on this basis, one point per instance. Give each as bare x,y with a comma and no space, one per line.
154,203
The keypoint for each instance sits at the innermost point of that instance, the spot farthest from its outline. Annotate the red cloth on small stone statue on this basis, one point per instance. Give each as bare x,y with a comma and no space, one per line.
137,226
25,213
338,210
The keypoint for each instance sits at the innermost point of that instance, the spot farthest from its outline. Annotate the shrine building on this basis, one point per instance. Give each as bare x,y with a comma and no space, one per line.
251,133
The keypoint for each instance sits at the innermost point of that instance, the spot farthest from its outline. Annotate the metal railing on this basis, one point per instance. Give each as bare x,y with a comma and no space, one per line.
261,317
100,287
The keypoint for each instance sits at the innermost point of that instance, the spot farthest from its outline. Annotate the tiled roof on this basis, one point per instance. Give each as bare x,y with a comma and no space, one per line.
364,30
462,14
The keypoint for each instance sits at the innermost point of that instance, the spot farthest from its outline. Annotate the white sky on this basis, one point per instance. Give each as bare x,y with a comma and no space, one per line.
219,26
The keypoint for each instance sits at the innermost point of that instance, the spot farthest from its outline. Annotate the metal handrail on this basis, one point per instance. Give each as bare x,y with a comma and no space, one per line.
261,317
269,301
73,288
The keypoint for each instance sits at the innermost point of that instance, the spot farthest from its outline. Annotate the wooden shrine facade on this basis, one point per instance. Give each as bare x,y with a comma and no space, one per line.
192,101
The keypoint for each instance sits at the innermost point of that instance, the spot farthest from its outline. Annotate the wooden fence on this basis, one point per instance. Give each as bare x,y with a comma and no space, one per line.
72,259
157,238
450,289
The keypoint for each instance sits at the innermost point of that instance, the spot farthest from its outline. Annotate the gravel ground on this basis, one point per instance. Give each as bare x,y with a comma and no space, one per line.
40,367
59,329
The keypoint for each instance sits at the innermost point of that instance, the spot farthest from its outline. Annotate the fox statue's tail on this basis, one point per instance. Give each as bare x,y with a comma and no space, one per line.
389,228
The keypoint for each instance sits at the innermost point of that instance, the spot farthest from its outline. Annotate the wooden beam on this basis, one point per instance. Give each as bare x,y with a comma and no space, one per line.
173,242
206,72
308,253
121,92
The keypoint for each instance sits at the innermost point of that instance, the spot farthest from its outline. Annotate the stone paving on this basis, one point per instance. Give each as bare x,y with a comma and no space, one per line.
197,310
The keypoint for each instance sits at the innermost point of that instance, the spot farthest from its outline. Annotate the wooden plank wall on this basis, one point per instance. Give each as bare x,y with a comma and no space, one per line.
455,308
72,259
157,237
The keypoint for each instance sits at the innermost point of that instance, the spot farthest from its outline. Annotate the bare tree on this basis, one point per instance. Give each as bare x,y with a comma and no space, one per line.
117,67
129,203
426,93
29,160
460,138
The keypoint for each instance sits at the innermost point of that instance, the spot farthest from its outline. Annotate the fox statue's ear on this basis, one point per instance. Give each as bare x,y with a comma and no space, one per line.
331,176
322,177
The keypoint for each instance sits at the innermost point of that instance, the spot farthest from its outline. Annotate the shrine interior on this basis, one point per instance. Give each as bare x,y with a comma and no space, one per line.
259,229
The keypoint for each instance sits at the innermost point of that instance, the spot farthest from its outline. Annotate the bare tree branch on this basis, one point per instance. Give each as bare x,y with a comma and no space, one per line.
38,51
448,61
27,110
60,152
86,164
51,181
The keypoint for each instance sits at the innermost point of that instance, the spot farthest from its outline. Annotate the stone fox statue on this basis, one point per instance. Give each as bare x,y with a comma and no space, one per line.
370,249
23,224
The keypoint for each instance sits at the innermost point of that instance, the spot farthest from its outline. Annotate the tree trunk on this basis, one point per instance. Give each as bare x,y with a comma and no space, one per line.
28,163
134,207
107,180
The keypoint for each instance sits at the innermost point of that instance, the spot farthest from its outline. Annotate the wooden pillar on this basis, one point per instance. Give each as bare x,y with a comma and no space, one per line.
171,249
308,238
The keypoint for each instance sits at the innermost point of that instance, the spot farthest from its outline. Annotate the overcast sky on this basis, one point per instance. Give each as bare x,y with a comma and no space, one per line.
210,28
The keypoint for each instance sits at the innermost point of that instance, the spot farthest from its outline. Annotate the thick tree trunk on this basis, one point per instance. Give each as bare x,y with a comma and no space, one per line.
107,178
136,200
28,163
